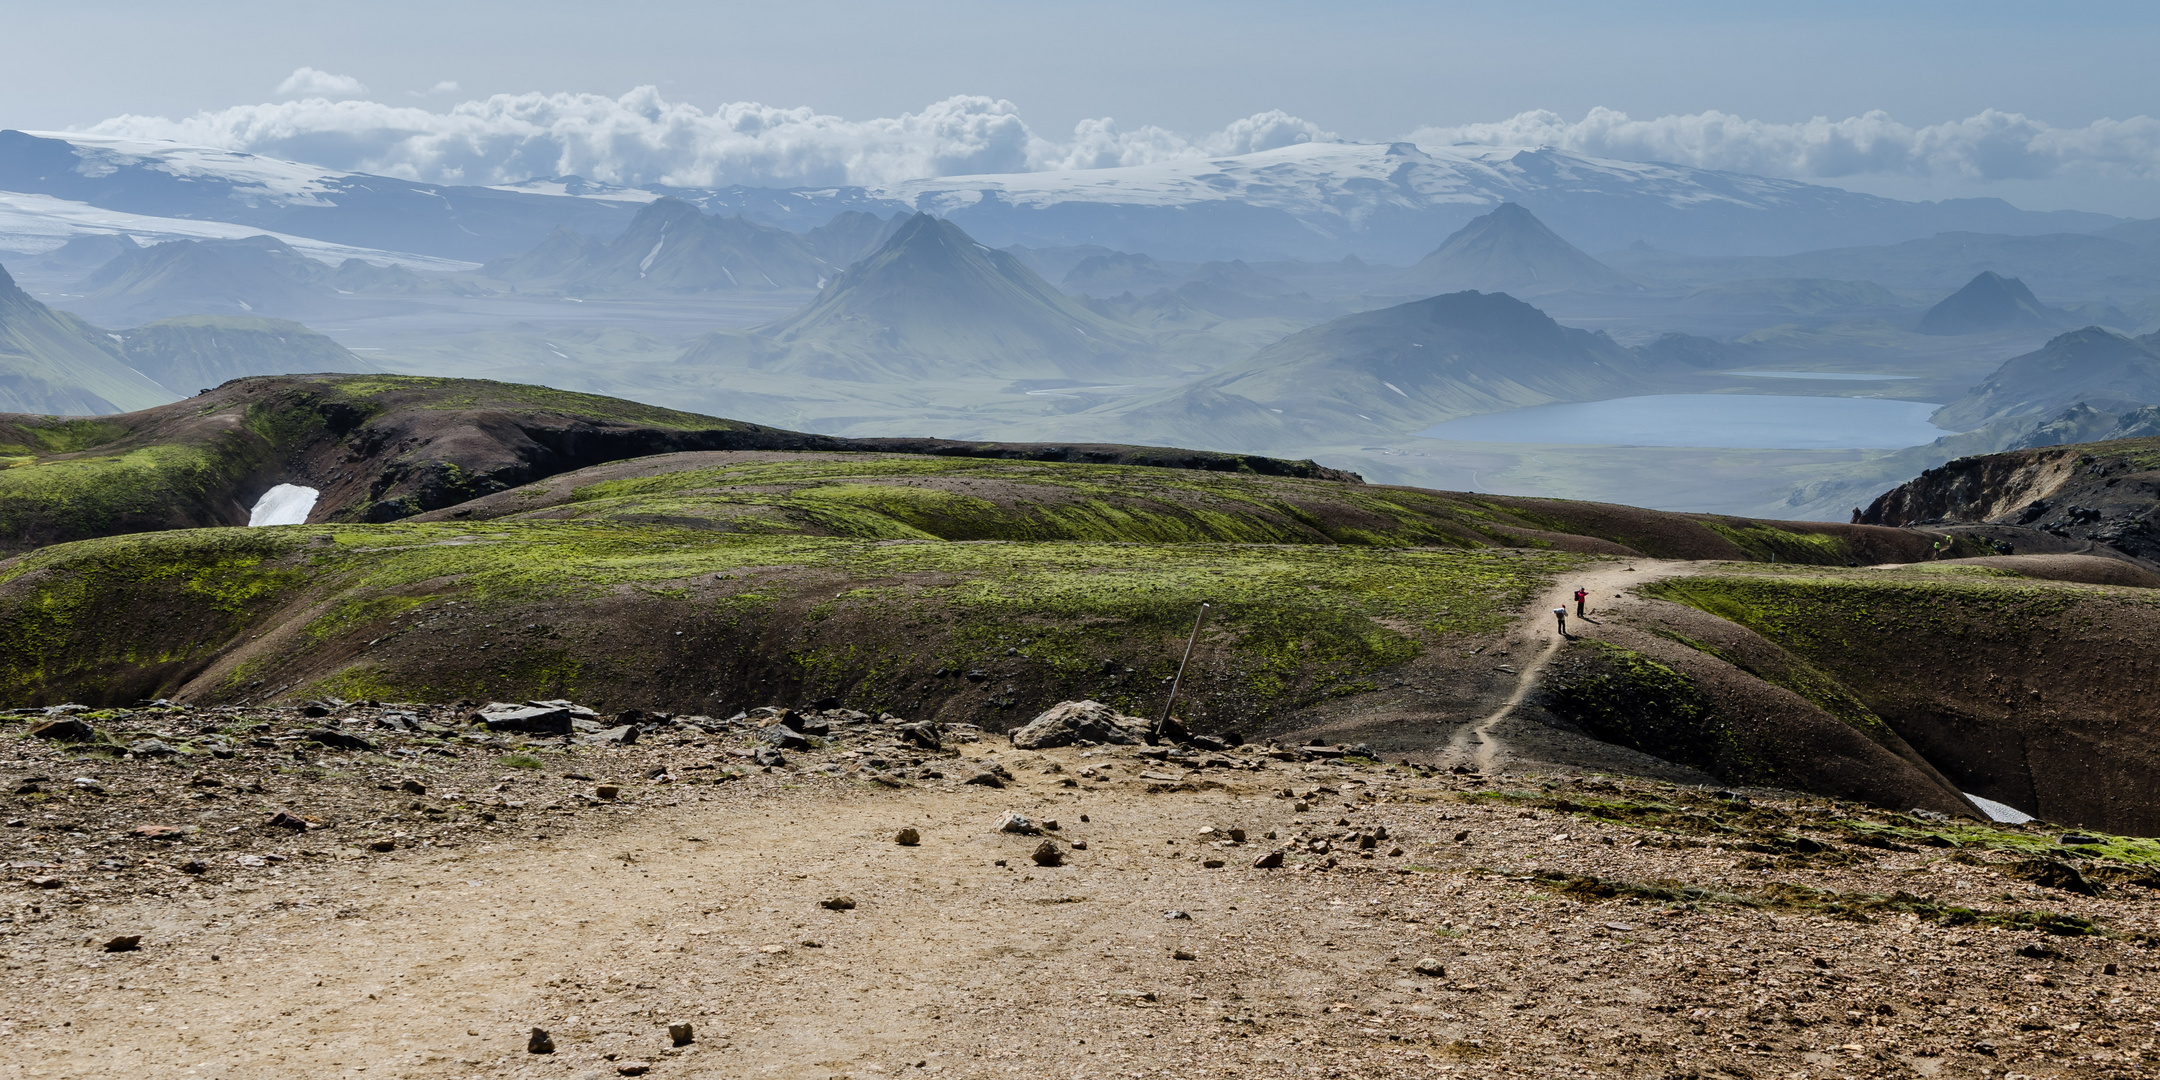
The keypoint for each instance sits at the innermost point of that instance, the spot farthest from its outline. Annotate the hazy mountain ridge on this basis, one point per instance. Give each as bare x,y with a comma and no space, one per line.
53,362
1510,251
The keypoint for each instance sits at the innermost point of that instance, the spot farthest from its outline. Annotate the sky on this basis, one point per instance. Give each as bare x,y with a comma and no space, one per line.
2051,106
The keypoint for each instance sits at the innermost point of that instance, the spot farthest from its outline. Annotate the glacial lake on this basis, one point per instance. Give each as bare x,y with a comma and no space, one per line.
1752,421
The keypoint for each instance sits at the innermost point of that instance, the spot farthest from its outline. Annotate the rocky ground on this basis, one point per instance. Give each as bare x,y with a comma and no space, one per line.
389,890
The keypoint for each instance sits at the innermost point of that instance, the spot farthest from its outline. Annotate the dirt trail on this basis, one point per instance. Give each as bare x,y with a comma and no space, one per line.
1478,739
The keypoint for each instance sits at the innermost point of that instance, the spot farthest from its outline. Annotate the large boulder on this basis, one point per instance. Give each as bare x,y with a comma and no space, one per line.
1069,722
535,719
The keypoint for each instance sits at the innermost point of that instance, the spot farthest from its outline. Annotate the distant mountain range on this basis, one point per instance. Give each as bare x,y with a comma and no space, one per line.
259,275
671,247
2105,370
1391,202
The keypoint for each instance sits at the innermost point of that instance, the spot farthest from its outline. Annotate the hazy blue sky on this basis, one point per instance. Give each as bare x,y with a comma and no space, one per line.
1361,70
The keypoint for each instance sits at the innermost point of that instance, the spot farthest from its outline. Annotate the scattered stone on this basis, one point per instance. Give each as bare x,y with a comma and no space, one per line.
614,736
2079,840
784,737
986,779
1212,864
1431,967
1069,722
160,832
539,1042
382,845
681,1034
152,748
1174,914
632,1068
47,881
124,943
315,710
91,785
413,787
1268,860
1181,954
924,735
838,903
525,719
1048,853
1014,822
1079,845
286,819
607,791
907,837
336,739
769,758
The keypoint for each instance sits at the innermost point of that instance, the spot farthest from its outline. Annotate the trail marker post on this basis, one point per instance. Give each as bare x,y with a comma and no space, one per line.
1180,678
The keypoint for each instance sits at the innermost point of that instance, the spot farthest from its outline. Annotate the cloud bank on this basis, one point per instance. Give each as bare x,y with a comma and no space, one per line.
1990,145
642,138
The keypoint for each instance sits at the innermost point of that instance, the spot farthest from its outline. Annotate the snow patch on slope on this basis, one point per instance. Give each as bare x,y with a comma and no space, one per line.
285,504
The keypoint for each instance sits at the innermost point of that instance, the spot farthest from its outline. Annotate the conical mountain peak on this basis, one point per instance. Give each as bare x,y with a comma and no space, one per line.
1510,250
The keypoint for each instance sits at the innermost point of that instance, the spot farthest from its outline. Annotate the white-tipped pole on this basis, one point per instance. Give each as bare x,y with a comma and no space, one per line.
1180,678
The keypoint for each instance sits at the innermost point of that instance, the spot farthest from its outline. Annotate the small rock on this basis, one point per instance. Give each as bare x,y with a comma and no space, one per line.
1181,954
1431,967
1268,860
1079,845
315,710
986,779
286,819
1212,864
2079,840
68,730
907,837
91,785
336,739
837,903
526,719
1174,914
625,735
1013,822
607,791
539,1042
681,1034
47,881
769,758
414,787
159,832
124,943
193,866
922,735
632,1068
382,845
152,748
784,737
1069,722
1048,853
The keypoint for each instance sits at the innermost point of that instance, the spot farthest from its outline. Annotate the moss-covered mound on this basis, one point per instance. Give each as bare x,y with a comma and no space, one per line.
386,447
2036,694
687,620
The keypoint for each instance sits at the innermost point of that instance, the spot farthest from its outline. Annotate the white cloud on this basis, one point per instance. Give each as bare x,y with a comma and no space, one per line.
309,82
643,138
447,86
1990,145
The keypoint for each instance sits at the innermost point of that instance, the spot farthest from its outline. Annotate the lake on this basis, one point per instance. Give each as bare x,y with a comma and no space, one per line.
1753,421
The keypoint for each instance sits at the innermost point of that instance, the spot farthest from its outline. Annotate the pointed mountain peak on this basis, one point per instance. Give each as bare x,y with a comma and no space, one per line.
1990,302
1509,250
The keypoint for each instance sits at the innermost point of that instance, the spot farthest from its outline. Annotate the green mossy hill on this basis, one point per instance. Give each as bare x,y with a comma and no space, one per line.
2031,693
700,621
1620,696
386,447
922,497
53,362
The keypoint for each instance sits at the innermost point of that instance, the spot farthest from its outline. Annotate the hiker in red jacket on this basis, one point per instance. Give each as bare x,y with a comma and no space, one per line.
1580,595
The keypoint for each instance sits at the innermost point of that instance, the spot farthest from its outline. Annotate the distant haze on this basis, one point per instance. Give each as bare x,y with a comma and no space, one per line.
2051,108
